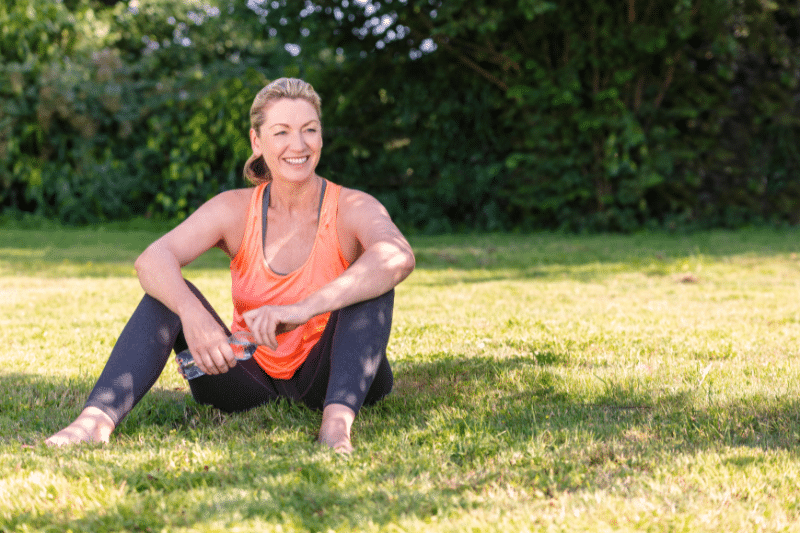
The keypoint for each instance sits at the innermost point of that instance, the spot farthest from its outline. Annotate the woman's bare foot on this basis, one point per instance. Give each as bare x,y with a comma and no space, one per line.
92,425
335,428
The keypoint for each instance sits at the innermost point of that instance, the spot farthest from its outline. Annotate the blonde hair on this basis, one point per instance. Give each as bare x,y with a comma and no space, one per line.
255,169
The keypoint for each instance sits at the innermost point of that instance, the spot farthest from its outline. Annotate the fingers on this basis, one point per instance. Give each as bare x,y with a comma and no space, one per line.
215,360
267,322
263,325
211,352
208,342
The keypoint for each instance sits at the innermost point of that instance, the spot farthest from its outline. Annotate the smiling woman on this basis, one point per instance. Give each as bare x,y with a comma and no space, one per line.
288,91
291,141
313,269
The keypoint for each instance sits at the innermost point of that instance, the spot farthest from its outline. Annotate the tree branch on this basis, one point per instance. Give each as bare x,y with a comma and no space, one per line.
667,81
442,41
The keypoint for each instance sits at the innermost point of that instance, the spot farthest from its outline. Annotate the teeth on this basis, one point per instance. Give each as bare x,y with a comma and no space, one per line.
296,160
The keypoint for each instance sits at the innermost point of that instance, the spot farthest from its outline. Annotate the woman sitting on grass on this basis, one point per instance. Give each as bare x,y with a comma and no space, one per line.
313,268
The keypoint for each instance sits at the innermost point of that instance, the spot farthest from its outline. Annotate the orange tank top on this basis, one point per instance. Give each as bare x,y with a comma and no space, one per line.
255,284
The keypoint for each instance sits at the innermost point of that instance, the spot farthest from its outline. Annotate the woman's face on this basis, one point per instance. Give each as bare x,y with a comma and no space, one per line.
290,139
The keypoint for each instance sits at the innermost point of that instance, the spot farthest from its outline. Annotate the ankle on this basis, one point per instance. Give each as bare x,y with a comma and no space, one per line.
337,420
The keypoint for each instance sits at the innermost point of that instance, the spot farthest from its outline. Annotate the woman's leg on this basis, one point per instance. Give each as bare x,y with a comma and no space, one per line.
360,372
348,367
137,359
241,388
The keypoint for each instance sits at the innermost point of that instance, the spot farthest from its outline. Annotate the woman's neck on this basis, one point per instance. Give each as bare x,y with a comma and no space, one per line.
295,196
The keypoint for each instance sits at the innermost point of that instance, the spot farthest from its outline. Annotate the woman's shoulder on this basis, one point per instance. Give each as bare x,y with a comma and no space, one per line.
355,198
360,213
226,209
235,199
356,201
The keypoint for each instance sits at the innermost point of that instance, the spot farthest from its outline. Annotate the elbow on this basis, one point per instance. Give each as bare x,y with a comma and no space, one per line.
411,262
142,262
407,265
395,260
138,265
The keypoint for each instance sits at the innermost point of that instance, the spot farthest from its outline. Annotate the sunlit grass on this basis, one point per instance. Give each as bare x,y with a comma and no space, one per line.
543,382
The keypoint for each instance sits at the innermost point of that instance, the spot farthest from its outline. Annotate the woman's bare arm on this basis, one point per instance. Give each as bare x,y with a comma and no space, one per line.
381,258
217,223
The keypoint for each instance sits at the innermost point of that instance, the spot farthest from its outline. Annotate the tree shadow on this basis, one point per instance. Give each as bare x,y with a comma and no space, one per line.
111,250
95,251
527,395
40,406
515,409
486,257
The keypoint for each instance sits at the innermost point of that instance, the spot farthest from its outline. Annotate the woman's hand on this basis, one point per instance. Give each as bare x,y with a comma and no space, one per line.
208,343
269,321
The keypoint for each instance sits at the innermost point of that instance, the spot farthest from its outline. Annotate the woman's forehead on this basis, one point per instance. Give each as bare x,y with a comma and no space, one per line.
289,111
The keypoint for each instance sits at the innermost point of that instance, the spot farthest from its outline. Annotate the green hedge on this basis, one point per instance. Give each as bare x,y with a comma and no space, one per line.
586,116
125,121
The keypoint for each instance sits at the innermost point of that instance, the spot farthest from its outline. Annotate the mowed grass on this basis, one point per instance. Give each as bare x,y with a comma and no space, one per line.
544,382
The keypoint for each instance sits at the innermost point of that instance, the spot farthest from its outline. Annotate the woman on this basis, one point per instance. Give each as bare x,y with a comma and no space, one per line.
313,268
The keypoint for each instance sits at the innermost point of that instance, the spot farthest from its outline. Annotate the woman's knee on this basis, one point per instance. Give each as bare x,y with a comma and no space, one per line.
239,389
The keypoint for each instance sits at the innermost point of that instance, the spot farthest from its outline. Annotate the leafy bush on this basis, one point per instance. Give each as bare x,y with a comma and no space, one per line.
149,120
458,115
598,116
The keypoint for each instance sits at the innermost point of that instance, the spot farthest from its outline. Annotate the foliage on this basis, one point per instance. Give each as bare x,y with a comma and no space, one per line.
585,115
148,117
512,114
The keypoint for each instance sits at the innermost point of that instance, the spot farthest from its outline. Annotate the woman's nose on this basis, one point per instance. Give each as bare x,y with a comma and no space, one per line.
297,141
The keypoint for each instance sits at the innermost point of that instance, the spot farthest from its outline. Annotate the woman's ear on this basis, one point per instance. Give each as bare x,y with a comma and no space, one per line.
255,142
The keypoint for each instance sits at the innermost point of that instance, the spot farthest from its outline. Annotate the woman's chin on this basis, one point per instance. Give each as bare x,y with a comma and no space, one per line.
294,175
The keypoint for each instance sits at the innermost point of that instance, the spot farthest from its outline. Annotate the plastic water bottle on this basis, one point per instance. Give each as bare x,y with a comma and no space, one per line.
242,343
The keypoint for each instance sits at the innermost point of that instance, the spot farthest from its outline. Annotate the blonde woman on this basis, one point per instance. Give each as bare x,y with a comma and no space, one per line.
313,269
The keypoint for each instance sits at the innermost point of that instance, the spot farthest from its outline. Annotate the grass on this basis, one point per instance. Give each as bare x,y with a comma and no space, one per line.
543,383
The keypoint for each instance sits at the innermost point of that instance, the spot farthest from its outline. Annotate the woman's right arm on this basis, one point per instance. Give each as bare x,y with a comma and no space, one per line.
217,223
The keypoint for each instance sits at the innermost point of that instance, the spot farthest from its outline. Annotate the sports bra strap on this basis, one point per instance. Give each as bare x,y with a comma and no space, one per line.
265,206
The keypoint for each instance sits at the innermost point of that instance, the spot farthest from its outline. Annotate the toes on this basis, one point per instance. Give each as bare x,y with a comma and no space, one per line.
69,435
77,432
343,447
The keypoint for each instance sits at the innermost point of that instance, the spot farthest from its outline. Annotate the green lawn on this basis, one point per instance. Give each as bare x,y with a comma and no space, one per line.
544,382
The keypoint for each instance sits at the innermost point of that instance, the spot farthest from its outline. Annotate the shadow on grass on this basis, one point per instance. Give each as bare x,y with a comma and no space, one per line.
552,248
86,252
520,396
32,407
111,250
526,397
476,422
484,258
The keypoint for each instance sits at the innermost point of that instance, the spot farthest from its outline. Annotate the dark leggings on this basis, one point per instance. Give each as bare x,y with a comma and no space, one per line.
347,366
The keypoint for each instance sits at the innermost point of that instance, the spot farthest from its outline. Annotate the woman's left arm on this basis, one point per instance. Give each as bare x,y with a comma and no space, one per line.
380,258
379,254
